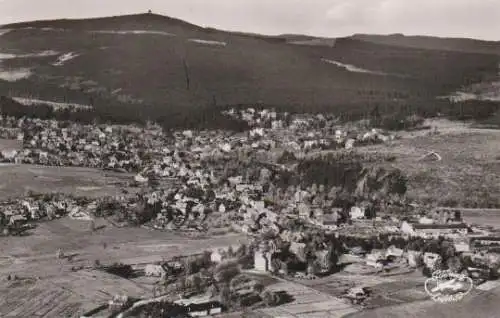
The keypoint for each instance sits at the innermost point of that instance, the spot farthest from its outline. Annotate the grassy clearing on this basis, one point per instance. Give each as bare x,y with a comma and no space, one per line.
17,180
467,175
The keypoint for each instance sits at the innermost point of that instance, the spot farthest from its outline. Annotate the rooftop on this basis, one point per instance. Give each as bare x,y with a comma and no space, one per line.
418,226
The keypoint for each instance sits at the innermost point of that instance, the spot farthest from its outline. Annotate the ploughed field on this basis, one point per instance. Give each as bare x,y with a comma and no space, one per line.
17,179
42,276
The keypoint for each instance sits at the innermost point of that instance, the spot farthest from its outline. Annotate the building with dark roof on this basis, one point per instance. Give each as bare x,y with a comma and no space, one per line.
434,230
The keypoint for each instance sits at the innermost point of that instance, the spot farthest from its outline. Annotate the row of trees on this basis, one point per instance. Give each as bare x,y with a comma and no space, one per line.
122,114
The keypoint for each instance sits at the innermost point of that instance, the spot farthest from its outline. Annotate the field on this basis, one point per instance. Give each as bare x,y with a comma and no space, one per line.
42,276
308,303
17,180
482,304
466,176
47,287
482,217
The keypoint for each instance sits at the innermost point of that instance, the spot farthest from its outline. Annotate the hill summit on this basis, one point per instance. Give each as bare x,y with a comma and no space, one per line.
149,66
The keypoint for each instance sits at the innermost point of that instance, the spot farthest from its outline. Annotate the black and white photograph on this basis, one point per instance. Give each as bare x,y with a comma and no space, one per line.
249,158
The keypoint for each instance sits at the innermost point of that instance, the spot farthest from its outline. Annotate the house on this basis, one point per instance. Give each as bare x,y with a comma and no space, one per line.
304,210
485,241
329,221
17,219
407,228
153,270
462,246
349,144
356,213
431,260
414,258
216,257
394,252
357,250
434,230
375,259
425,220
299,249
205,309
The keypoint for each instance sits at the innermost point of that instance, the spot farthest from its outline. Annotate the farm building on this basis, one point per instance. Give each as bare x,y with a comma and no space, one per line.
153,270
204,310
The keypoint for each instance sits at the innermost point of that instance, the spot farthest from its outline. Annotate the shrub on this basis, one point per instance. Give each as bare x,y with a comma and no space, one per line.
287,157
119,269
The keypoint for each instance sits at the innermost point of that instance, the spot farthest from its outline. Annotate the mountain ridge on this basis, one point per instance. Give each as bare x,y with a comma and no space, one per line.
180,68
152,17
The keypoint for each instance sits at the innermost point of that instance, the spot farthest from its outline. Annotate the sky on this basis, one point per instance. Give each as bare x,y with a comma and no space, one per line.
331,18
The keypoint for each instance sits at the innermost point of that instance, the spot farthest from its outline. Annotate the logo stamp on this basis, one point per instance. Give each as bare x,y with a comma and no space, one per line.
448,287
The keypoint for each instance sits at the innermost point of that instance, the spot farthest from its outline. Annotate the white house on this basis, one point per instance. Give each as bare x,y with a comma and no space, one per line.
425,220
356,213
261,261
17,219
323,258
374,259
299,249
349,144
462,247
153,270
394,251
216,256
431,260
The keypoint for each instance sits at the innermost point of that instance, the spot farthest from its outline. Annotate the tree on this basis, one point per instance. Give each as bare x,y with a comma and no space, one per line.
447,250
182,284
206,258
188,265
258,287
225,272
242,250
270,299
230,251
196,282
454,264
186,73
370,212
311,267
426,271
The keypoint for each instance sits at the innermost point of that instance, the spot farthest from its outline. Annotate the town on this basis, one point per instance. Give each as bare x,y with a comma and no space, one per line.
312,212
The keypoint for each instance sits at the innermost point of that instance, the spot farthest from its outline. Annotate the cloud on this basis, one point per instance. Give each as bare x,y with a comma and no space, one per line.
471,18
